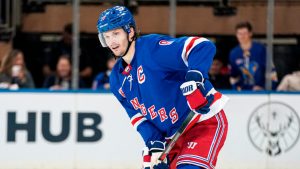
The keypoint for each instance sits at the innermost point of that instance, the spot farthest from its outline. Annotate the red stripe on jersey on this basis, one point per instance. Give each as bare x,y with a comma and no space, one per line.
189,46
135,120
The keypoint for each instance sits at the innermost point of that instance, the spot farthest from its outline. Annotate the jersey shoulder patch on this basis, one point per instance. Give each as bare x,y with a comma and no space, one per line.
165,42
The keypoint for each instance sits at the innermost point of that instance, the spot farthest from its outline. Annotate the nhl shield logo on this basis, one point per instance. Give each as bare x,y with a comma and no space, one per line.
274,128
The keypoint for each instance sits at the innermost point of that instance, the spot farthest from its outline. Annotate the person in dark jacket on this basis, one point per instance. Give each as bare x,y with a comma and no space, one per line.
62,79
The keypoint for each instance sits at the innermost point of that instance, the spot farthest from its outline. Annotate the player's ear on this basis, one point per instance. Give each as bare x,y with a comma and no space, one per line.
131,34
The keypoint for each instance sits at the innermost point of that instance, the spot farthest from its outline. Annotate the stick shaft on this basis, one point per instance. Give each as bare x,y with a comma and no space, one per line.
183,126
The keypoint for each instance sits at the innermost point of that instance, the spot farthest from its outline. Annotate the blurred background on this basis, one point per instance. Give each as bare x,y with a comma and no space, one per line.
50,48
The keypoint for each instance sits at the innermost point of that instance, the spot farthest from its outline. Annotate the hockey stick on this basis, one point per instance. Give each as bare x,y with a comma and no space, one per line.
187,123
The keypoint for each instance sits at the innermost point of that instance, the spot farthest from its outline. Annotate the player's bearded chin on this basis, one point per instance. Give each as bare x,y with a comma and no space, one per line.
122,53
116,55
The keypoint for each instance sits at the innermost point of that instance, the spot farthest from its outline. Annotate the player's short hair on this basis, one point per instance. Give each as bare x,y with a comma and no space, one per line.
244,24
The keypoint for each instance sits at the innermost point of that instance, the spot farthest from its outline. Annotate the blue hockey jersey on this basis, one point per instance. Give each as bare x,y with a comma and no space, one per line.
251,69
149,88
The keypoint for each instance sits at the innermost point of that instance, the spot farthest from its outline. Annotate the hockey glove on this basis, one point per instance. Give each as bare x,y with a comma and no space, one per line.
147,161
193,89
155,150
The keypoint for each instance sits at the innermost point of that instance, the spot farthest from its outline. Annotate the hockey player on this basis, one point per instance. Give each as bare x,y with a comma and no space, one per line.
159,80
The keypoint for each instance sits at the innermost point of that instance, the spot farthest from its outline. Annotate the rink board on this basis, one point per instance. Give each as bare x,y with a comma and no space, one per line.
68,130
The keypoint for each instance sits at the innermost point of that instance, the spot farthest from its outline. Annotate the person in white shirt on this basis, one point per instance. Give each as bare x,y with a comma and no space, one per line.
290,82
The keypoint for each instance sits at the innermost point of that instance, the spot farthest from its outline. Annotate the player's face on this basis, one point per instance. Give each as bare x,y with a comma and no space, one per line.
117,41
243,35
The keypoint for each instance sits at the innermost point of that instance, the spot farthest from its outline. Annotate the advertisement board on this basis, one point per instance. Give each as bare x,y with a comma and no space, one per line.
68,130
263,132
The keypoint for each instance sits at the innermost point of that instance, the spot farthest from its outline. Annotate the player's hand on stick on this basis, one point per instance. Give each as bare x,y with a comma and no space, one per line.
193,89
151,155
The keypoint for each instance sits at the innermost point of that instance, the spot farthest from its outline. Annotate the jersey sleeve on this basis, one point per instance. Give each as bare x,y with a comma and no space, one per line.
185,53
198,54
146,129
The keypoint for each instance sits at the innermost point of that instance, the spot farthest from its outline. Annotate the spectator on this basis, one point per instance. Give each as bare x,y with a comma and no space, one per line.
247,61
13,72
61,80
64,47
290,82
217,77
102,79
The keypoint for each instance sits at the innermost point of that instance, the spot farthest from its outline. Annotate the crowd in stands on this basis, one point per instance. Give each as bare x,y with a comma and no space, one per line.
13,72
245,71
54,52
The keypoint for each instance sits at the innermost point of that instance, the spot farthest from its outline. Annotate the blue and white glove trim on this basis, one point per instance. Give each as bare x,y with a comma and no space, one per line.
156,146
